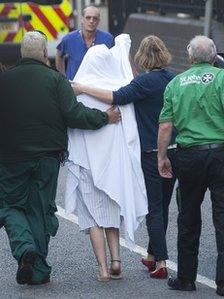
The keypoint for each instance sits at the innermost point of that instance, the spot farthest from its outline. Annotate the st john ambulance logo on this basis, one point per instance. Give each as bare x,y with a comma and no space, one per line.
207,78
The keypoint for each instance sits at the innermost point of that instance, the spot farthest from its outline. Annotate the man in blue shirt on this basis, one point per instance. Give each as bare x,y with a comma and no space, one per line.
75,44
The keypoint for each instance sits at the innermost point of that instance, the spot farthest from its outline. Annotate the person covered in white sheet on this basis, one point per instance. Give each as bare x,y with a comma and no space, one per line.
146,92
105,183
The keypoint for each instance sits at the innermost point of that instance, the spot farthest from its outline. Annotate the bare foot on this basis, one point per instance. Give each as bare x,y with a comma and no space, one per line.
103,275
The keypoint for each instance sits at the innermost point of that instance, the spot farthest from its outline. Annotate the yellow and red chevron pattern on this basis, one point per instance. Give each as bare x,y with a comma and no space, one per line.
51,19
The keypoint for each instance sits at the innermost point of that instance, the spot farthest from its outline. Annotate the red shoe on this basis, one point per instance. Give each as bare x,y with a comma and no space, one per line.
160,273
151,265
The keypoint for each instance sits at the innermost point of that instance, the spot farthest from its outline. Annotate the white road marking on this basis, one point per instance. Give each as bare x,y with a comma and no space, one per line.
140,250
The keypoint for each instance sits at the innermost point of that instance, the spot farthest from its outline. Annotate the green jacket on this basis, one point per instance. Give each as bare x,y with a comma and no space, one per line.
194,103
37,104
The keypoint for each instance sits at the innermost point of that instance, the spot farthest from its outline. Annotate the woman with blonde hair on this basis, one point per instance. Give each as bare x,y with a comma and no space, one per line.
146,92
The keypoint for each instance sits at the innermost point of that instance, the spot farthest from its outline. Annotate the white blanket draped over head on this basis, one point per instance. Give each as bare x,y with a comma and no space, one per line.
112,153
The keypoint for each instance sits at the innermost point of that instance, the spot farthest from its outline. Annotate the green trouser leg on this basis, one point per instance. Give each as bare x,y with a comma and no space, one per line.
27,207
13,204
18,231
41,212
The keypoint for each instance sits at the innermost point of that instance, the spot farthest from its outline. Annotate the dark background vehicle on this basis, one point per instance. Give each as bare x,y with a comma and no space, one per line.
220,61
175,21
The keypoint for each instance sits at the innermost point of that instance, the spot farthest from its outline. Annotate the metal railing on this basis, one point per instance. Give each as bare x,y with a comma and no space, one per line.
195,8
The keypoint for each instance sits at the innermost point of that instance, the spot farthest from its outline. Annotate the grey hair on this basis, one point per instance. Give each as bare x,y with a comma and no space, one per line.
202,49
33,45
92,7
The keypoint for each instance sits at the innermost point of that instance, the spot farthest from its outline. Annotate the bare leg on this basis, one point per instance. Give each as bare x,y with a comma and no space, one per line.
99,248
112,235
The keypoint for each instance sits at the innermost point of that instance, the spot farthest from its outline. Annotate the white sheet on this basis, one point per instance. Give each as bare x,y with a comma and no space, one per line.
112,153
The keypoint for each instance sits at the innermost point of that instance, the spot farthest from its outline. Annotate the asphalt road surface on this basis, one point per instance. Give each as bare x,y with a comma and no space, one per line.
74,266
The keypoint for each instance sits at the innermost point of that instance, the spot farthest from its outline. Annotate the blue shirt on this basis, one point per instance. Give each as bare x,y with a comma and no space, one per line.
146,92
74,47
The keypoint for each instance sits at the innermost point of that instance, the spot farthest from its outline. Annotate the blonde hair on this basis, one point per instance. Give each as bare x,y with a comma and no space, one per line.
152,53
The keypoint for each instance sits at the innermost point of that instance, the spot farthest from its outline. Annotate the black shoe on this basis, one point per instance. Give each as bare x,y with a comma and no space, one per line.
25,271
181,285
36,283
220,290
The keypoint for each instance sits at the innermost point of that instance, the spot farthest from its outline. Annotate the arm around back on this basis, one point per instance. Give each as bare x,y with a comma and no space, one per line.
132,92
103,95
125,95
74,113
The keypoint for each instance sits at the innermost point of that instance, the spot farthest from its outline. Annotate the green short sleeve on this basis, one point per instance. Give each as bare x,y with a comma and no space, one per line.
167,110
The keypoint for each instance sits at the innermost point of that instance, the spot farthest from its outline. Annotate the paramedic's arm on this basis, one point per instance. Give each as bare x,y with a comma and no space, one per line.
165,132
76,115
164,136
60,62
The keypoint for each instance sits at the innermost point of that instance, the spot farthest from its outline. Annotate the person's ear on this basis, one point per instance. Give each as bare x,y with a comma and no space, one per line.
215,58
191,60
45,53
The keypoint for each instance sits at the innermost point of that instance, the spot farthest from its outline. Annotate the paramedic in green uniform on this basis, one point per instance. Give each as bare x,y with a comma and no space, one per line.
37,104
194,104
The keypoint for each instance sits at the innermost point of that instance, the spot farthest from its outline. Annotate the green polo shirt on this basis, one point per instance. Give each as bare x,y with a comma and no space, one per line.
37,105
194,102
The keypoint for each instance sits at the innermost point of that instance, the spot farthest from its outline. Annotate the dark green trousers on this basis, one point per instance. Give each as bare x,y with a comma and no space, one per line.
27,208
